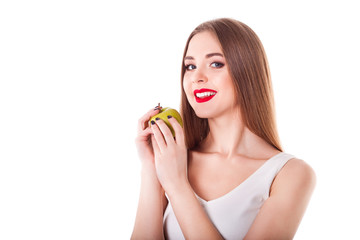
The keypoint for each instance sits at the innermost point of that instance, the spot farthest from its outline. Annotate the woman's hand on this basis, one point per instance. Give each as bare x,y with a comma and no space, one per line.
143,139
171,169
152,200
170,154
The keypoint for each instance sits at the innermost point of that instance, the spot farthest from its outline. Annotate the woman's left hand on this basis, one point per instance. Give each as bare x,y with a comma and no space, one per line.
170,155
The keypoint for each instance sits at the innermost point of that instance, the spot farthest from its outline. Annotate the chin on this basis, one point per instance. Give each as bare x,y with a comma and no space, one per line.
205,110
203,113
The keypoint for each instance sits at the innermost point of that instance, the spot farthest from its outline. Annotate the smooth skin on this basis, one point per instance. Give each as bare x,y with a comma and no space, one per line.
152,200
229,155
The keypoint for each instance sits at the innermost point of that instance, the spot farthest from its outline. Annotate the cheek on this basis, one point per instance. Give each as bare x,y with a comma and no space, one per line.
231,91
187,87
227,85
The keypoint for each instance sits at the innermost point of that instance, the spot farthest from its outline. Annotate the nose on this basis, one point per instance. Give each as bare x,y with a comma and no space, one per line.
199,76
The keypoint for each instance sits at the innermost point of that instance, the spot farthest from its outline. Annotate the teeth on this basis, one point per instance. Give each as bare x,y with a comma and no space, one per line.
205,94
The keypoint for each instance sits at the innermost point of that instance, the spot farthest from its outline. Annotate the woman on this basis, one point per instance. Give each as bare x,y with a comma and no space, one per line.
225,175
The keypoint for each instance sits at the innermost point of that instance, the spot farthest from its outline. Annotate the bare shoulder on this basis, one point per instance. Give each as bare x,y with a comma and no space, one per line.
296,174
290,194
298,168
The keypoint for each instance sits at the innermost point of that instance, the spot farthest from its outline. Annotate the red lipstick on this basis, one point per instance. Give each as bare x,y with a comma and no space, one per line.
204,94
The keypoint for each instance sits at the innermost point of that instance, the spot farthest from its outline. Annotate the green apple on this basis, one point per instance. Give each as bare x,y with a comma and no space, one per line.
164,112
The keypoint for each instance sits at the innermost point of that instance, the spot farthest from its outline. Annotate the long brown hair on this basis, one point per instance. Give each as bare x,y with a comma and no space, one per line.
249,70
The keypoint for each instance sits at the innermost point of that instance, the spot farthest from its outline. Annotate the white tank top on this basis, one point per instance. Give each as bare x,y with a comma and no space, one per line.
233,213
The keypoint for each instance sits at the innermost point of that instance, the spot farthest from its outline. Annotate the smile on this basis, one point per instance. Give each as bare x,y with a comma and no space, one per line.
204,95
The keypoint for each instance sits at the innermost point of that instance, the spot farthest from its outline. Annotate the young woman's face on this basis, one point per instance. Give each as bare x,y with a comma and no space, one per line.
207,82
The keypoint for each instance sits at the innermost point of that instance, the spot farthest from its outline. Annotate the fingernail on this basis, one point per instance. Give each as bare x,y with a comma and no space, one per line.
152,122
169,116
157,118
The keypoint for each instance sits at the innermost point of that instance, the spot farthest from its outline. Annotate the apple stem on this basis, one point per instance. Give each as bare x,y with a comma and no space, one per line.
158,107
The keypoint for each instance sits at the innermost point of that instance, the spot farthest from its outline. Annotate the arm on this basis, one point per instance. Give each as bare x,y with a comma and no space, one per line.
151,206
152,200
282,212
193,220
171,168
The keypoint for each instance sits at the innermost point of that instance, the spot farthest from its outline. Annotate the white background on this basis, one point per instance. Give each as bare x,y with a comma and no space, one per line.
76,75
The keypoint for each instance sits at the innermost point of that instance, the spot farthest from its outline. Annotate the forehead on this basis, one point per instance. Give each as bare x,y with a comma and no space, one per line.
203,43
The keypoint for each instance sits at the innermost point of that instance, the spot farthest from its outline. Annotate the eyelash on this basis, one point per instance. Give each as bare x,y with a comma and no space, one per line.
218,63
187,67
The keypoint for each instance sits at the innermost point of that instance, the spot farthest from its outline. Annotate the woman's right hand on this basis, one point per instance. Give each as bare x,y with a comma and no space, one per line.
143,139
152,199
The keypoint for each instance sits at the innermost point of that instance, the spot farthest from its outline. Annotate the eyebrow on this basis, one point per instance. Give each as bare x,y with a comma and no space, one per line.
207,56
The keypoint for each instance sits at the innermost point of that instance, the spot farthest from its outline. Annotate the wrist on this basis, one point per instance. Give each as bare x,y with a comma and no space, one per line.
147,167
180,189
149,177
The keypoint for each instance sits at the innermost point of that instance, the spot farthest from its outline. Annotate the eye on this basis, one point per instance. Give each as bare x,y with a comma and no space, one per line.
190,67
217,65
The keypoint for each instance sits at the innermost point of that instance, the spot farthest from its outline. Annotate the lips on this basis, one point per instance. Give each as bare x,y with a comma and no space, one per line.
204,95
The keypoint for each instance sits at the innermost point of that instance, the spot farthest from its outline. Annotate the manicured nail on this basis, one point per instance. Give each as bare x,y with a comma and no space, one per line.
157,118
152,122
169,116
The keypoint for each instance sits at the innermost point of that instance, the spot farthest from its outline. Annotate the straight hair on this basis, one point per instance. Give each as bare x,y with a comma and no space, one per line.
250,73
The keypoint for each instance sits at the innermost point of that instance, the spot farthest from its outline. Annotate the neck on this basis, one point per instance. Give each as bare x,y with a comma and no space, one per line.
229,136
